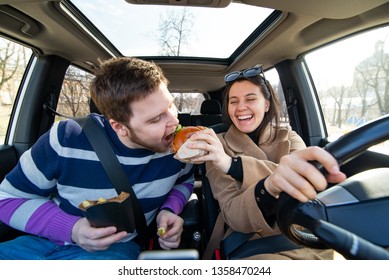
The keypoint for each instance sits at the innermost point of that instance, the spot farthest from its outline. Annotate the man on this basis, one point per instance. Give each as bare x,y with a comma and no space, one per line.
41,194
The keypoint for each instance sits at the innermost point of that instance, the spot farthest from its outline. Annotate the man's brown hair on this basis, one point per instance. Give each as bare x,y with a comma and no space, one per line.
121,81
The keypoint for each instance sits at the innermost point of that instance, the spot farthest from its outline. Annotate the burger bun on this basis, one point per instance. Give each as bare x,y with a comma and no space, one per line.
181,141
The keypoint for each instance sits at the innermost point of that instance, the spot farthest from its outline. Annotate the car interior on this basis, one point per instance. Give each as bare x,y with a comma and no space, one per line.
62,34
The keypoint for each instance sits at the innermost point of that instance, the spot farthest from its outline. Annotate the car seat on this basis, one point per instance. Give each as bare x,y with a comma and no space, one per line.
210,113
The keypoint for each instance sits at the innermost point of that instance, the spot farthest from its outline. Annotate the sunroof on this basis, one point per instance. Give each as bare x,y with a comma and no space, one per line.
157,30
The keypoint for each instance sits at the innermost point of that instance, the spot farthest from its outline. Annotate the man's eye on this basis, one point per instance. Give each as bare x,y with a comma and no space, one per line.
155,120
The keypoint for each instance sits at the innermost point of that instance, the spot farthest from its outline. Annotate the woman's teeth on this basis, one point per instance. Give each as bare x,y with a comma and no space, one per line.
242,118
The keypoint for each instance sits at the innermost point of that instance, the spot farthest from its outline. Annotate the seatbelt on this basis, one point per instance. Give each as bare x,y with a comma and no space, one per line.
294,119
237,245
114,170
215,239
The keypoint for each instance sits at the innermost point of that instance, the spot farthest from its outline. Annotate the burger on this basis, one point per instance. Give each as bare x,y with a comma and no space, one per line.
180,143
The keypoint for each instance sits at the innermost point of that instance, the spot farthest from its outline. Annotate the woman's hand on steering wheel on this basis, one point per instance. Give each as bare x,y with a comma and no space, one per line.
296,176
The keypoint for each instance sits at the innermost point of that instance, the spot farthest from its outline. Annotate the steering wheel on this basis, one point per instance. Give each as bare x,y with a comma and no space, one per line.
350,217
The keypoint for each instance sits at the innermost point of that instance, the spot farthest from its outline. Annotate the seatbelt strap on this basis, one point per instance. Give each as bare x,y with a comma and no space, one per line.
291,103
234,241
113,168
237,245
215,239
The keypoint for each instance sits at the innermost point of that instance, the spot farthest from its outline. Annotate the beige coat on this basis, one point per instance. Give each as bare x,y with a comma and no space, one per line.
237,200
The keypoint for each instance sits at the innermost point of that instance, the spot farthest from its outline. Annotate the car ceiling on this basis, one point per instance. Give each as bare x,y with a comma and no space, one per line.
305,24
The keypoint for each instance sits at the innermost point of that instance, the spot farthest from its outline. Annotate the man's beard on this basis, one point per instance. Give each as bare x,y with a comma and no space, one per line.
133,137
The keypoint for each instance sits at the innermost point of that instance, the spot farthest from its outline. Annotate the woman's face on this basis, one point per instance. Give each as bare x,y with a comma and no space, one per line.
246,106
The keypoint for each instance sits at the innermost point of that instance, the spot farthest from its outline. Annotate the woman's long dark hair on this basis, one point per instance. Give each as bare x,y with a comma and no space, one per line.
272,116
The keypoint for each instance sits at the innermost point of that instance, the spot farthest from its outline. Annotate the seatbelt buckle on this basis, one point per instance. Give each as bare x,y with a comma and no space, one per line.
218,255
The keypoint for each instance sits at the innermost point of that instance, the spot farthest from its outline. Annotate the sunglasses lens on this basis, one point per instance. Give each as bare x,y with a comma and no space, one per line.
248,73
252,72
231,77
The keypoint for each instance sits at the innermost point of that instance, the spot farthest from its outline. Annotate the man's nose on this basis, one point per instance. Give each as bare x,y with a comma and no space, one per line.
173,119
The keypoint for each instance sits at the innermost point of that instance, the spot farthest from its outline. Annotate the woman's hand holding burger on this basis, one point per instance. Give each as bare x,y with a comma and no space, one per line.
180,143
206,141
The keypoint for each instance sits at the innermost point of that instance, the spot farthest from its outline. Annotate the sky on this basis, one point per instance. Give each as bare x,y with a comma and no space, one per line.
130,26
326,62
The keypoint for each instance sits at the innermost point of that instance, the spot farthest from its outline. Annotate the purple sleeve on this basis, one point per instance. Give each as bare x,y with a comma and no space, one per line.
50,221
47,220
179,196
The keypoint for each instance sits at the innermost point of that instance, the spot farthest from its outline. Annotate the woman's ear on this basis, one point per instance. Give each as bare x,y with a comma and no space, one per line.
119,128
267,105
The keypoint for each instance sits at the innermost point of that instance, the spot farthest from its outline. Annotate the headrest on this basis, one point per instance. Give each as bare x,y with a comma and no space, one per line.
210,107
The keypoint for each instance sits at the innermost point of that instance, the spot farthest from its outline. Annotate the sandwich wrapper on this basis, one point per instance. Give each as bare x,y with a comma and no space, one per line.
116,211
186,154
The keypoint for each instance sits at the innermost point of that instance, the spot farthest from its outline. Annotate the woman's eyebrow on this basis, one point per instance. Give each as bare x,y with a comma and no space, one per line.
246,95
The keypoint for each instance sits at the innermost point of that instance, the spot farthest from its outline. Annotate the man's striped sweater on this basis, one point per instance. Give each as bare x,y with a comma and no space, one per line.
41,194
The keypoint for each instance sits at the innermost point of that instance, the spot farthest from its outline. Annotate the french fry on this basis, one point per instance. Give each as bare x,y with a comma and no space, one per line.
86,204
161,231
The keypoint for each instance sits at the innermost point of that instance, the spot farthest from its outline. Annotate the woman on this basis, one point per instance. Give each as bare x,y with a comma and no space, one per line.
257,159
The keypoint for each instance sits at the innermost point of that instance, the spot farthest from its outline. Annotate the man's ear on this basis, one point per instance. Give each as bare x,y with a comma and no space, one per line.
119,128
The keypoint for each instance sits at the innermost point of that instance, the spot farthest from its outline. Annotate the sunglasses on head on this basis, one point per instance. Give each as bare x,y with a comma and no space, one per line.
247,73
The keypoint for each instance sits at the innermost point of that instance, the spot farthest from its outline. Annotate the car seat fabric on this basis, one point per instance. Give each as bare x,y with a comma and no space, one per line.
210,107
92,107
211,113
184,119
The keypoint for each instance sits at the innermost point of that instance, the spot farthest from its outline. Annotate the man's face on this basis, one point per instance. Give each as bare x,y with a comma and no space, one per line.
153,122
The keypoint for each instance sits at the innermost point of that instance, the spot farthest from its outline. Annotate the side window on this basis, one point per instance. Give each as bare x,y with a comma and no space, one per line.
188,102
352,82
74,97
274,80
13,63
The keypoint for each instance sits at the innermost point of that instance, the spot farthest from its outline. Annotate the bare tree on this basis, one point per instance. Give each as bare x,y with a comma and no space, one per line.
175,28
74,98
9,61
338,96
371,78
188,101
361,85
13,61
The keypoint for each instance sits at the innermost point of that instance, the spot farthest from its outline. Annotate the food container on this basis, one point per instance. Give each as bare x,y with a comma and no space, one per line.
116,211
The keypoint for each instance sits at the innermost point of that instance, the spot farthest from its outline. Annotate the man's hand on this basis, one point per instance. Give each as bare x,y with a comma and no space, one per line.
173,226
94,239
